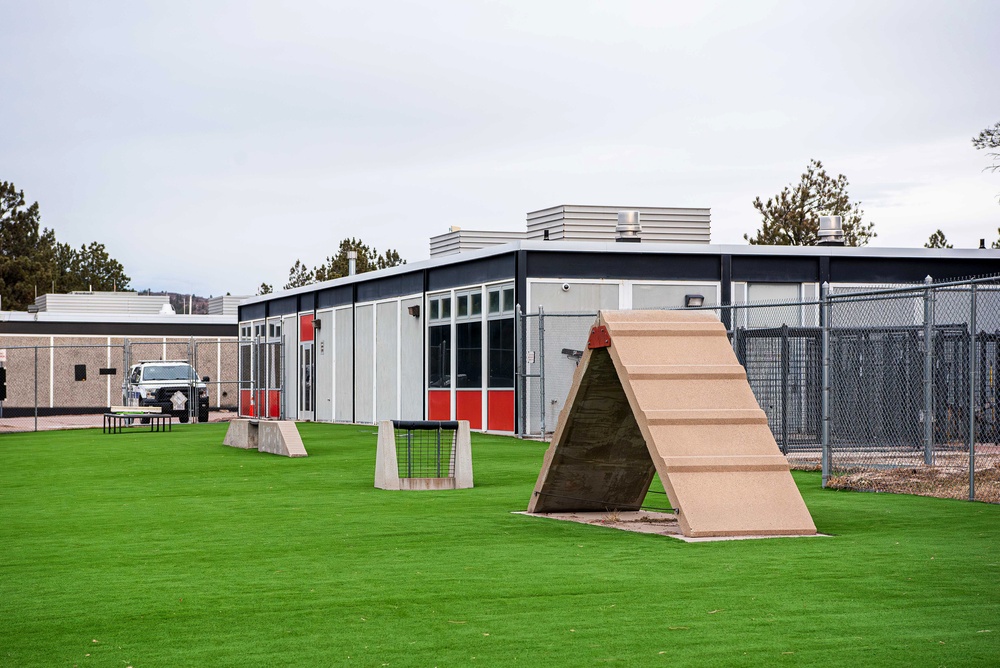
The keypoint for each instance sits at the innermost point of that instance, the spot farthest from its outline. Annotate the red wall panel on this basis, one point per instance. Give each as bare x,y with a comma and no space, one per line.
500,404
306,328
469,406
438,405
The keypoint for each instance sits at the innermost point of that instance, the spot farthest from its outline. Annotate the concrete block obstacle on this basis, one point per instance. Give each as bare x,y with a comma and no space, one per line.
241,434
423,455
662,392
277,437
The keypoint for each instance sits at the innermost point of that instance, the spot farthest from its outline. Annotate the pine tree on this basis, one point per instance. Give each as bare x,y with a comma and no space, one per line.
791,218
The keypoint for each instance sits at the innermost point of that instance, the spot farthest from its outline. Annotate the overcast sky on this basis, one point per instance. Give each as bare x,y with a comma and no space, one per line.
209,145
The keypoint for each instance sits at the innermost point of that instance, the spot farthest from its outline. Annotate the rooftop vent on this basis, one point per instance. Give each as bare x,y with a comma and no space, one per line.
628,228
831,231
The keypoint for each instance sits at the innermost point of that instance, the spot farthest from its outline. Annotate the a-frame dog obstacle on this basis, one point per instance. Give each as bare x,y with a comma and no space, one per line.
662,392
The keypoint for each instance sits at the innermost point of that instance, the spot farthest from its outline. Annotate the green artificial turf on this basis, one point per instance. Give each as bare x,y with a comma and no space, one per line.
169,549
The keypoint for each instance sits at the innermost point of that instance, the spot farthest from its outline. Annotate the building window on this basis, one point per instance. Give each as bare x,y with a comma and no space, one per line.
500,336
500,300
469,354
469,339
501,353
439,359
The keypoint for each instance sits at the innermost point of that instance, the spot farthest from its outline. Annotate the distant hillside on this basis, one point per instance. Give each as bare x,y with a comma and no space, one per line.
199,305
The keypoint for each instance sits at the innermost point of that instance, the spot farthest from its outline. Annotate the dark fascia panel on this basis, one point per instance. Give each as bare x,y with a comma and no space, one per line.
283,306
641,266
770,269
253,311
391,286
906,270
307,302
485,270
338,296
116,329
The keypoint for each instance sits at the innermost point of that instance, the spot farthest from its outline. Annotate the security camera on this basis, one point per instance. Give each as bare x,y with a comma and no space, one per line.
565,287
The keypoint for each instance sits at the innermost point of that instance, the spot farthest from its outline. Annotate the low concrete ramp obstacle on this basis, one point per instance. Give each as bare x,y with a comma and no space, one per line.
662,392
277,437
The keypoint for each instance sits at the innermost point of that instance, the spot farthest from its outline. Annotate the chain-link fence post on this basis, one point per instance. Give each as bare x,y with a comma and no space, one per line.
522,382
127,363
283,380
824,297
541,369
973,372
192,401
784,389
928,373
36,388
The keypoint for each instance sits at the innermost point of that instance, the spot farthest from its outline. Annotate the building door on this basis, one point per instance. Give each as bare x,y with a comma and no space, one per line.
306,394
306,368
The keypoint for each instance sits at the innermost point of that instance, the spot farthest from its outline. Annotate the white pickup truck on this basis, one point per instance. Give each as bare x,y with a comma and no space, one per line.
168,385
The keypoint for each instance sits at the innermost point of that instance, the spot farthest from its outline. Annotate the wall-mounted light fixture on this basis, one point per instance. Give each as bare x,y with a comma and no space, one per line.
414,310
694,301
317,323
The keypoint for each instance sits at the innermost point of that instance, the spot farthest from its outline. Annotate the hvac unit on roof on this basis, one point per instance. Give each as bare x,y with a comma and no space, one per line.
628,229
831,231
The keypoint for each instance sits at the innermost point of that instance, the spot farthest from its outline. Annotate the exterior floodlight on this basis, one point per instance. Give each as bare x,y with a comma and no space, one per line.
694,301
414,310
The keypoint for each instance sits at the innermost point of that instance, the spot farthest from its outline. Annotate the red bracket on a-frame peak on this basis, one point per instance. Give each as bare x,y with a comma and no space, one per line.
599,337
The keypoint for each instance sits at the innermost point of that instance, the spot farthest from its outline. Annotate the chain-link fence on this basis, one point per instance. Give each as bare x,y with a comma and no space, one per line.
73,382
890,390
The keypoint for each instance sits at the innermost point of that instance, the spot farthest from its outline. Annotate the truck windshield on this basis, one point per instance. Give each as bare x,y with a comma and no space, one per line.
172,372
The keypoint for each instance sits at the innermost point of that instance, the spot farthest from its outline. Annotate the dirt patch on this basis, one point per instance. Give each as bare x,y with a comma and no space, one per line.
639,521
944,482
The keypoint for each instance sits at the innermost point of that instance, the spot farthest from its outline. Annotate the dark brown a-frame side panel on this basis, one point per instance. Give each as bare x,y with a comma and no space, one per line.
667,395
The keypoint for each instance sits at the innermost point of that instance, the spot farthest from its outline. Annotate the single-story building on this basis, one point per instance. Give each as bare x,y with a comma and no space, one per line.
439,339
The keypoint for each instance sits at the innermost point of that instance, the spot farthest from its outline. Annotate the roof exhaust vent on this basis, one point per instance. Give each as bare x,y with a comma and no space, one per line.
628,229
831,231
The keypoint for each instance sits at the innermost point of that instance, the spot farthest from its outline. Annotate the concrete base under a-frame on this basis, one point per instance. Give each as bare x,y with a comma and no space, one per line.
662,392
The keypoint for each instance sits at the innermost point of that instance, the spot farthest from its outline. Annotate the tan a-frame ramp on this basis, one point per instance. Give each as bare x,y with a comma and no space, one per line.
662,392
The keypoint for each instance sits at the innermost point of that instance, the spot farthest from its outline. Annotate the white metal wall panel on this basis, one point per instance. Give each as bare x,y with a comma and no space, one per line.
364,363
411,360
324,366
810,314
290,364
649,296
777,316
344,371
386,361
578,297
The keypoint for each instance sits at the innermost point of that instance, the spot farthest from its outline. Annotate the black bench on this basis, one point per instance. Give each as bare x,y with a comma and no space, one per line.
114,422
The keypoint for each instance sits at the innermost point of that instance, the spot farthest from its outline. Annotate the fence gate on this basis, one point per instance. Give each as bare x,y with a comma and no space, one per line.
261,378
